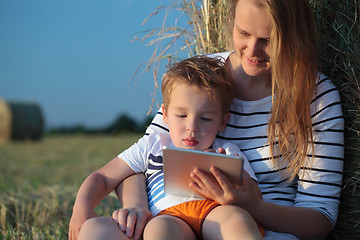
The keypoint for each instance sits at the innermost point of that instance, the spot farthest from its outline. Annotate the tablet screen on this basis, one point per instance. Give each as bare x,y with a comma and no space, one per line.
179,163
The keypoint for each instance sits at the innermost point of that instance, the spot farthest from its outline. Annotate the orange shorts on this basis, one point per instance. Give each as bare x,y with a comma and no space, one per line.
193,213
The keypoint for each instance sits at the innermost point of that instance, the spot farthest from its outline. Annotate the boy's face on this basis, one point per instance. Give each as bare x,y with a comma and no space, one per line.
193,118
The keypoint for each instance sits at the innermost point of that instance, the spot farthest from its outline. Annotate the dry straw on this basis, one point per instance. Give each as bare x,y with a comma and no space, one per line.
27,121
338,25
5,122
40,213
20,121
339,44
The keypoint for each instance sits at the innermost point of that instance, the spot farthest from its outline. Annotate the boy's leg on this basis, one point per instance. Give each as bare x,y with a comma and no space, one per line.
101,228
168,227
230,222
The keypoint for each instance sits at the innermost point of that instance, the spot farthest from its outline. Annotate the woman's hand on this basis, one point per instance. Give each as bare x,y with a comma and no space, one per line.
220,150
216,186
132,220
77,219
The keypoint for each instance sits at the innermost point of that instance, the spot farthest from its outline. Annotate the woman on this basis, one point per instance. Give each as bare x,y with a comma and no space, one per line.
286,119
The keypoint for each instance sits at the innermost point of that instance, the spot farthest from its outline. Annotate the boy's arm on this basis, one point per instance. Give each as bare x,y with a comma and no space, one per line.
134,213
94,189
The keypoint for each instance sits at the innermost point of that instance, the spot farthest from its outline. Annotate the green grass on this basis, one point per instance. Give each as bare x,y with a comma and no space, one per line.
39,182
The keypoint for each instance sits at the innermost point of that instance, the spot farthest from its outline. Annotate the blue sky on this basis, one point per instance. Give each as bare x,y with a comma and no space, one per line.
75,58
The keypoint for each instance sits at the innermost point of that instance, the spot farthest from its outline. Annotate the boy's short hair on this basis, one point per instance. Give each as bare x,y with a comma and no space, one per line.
204,74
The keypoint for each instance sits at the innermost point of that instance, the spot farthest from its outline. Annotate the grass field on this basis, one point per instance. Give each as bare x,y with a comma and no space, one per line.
39,182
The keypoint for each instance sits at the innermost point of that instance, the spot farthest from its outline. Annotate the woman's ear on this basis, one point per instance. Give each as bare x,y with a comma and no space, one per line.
225,119
165,118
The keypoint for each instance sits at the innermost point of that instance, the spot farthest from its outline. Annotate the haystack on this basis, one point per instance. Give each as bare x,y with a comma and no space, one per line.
339,44
20,121
5,121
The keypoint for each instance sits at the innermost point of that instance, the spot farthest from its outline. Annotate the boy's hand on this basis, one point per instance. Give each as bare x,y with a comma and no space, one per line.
77,220
132,221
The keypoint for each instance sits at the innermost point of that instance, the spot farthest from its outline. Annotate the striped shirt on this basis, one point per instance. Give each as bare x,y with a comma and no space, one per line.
318,184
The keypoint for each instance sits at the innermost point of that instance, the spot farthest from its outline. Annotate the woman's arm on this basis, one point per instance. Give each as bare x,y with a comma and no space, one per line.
132,193
304,223
134,213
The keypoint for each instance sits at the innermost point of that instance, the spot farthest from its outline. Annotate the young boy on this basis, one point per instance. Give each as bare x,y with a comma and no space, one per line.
197,94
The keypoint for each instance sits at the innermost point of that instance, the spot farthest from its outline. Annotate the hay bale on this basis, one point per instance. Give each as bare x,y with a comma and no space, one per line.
339,36
27,121
5,122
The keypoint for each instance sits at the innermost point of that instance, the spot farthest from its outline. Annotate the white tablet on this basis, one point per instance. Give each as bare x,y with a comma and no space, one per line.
179,163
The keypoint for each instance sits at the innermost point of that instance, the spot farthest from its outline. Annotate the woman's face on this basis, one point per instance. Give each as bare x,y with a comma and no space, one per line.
251,38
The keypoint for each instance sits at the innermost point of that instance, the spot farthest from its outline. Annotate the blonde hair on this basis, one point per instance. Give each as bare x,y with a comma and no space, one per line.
294,71
204,74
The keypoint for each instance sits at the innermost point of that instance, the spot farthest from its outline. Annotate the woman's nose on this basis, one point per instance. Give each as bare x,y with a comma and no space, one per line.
254,47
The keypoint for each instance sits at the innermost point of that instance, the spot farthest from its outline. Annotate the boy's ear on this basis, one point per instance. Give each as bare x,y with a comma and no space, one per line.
224,121
165,118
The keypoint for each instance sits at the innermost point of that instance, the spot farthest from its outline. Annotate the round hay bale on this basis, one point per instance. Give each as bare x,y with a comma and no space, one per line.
27,121
5,122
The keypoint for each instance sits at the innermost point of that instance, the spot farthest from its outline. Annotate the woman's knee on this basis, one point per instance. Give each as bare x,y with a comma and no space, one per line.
101,228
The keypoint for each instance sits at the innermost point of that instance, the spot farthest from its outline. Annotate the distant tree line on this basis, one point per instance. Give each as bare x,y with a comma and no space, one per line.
122,124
